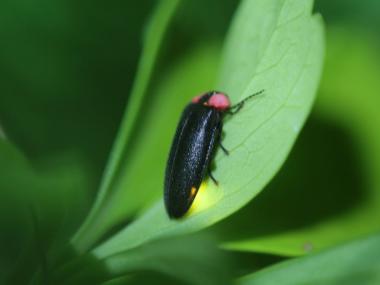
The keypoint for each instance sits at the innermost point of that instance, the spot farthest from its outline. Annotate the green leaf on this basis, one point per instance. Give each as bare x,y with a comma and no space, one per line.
348,100
357,262
89,232
279,47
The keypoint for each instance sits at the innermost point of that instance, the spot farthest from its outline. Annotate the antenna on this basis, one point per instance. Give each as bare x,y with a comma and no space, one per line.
240,105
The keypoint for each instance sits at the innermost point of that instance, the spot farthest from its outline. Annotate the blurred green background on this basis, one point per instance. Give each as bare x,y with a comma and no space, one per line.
66,69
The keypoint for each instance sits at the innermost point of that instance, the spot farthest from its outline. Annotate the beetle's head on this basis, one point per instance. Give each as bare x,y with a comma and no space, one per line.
214,99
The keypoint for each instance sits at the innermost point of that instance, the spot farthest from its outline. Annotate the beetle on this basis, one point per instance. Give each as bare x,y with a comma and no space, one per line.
197,136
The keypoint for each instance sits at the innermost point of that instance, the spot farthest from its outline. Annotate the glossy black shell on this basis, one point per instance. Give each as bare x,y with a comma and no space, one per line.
198,134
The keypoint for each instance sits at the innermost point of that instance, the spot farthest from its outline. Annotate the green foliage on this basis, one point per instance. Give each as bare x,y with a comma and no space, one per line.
70,216
38,212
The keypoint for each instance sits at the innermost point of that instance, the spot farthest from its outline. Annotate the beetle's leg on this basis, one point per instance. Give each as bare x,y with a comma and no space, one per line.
212,177
219,138
236,107
223,148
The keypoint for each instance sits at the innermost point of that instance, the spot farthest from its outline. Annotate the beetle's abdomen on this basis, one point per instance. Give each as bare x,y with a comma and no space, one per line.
197,134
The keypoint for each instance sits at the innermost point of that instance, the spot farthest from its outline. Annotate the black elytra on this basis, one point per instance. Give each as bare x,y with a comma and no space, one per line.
196,139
